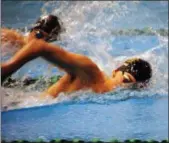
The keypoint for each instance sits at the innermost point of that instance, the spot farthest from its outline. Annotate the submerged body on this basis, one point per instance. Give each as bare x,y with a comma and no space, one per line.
81,72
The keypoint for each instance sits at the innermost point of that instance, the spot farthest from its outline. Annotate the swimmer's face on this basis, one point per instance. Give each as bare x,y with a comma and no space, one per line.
40,34
48,28
124,77
37,34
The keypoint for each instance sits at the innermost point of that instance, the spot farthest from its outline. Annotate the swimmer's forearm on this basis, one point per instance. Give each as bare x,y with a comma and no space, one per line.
23,56
5,71
29,52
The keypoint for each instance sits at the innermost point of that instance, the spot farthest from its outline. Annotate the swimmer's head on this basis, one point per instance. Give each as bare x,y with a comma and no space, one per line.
137,68
48,27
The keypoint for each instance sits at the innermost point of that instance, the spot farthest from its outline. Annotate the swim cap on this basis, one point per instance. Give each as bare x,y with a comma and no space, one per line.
138,68
49,24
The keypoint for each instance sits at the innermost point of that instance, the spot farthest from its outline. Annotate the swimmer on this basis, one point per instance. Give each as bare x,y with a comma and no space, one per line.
81,72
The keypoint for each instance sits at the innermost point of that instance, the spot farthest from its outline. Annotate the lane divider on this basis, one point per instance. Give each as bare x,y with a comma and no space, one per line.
95,140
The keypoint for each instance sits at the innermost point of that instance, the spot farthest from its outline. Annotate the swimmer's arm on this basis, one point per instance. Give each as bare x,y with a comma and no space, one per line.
58,87
72,63
24,55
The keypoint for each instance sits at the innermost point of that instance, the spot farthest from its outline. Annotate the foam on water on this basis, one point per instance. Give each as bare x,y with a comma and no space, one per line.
88,31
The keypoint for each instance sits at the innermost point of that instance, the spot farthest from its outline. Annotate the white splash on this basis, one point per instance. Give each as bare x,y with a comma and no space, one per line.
88,26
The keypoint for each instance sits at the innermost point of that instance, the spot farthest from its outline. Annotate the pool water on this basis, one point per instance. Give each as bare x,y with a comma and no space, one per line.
145,118
120,114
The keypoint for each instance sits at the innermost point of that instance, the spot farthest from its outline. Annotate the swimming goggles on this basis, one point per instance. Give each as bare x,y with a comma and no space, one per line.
127,78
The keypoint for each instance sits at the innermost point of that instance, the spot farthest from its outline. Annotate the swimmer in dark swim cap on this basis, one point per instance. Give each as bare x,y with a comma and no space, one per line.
81,72
139,69
48,27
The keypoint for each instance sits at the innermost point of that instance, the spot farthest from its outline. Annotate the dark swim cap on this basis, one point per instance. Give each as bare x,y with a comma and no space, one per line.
49,24
138,68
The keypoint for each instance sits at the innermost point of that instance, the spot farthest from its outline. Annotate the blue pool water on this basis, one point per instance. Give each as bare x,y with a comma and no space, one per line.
121,114
145,118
